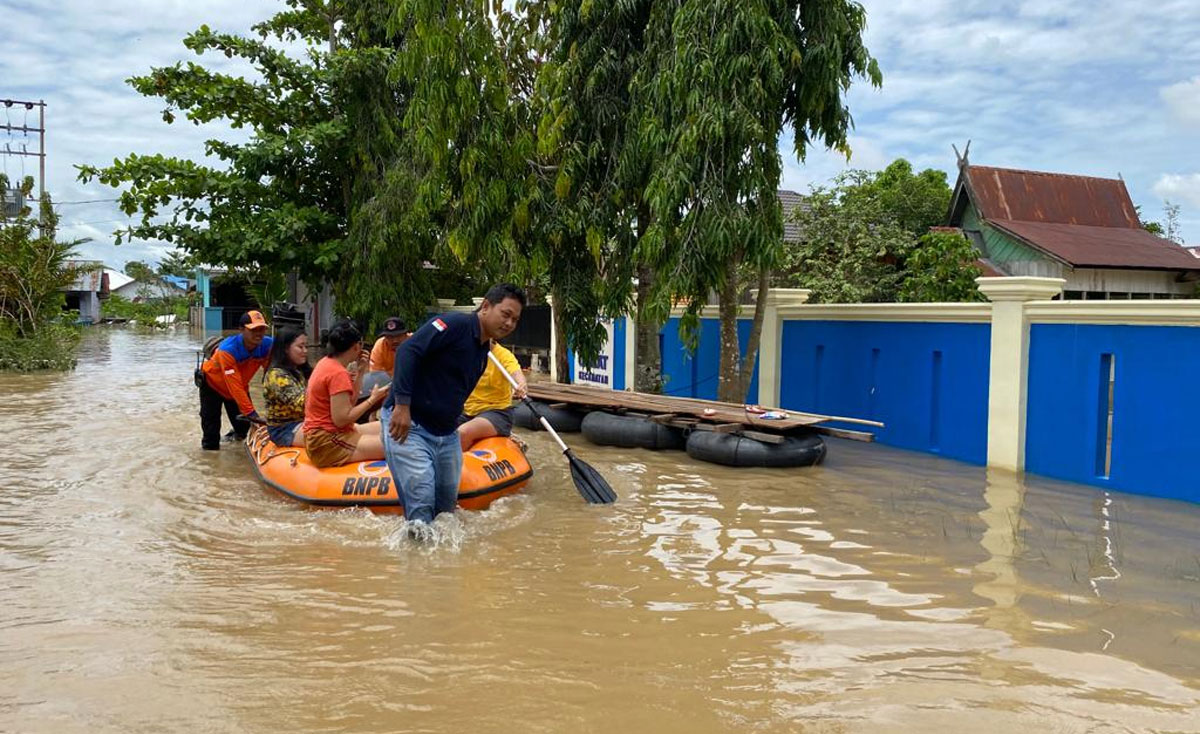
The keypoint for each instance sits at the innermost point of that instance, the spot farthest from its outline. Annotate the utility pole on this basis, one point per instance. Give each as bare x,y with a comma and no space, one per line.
24,128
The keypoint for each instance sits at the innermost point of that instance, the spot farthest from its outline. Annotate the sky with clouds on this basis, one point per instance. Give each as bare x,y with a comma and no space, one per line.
1102,88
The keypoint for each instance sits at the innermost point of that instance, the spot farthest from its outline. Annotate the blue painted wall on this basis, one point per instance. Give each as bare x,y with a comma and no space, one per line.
695,376
928,382
618,353
212,318
1154,401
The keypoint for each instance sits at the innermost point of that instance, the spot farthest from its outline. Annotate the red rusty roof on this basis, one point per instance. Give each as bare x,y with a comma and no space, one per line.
1083,221
1105,247
1032,196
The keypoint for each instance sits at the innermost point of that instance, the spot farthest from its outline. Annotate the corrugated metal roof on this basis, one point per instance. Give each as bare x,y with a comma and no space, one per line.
1082,221
1033,196
1106,247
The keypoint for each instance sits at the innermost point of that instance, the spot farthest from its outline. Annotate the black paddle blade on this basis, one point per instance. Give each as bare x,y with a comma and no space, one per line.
588,481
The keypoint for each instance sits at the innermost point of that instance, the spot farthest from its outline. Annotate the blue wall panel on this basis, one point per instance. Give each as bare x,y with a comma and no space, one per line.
696,376
1154,399
618,353
212,318
928,382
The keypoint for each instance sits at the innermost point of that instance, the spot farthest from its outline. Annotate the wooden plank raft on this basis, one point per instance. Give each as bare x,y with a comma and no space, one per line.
694,413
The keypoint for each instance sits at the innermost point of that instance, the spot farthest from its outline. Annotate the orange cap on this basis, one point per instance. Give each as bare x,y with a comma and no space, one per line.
254,320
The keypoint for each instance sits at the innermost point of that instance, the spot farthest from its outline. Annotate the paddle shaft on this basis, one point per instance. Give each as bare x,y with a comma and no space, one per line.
541,418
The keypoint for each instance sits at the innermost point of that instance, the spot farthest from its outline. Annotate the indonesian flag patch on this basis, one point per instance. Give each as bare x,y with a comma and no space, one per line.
439,324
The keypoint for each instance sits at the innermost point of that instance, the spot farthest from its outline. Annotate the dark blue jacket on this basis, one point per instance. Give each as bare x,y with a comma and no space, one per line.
437,368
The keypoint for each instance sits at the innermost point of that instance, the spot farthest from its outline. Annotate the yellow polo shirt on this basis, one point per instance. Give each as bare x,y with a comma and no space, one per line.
493,392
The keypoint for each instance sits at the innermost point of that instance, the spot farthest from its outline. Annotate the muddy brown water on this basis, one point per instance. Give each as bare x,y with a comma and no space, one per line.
150,587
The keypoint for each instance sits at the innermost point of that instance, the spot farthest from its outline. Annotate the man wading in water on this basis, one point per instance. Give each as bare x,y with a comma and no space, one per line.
436,369
225,376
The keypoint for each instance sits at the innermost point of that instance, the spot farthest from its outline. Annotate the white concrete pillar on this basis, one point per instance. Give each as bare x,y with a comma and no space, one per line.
630,350
553,342
770,347
1008,377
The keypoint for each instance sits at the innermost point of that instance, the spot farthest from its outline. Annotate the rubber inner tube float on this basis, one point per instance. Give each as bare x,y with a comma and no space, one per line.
733,450
560,419
629,432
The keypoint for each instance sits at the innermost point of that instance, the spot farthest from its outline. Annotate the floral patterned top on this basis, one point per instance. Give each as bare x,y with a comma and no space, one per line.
284,393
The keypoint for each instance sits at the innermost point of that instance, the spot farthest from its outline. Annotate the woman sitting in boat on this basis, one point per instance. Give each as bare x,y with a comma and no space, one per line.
284,386
330,433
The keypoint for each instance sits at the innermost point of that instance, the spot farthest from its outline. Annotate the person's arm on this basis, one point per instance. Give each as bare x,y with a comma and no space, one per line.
509,361
360,371
409,357
522,388
343,411
228,375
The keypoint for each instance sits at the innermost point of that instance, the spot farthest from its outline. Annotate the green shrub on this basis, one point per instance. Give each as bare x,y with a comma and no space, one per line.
52,347
143,314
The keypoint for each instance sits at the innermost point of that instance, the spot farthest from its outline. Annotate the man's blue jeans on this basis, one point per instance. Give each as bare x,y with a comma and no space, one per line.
426,469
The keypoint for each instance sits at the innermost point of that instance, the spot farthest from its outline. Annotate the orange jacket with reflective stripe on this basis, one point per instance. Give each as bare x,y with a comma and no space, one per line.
230,368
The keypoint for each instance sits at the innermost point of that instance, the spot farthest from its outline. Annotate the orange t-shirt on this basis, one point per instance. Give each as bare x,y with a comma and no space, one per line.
383,357
328,378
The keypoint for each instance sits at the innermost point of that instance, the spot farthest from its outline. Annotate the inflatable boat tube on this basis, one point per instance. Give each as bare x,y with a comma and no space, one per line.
561,419
732,450
492,468
630,432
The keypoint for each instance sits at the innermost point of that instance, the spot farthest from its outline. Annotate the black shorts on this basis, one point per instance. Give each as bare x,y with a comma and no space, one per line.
501,420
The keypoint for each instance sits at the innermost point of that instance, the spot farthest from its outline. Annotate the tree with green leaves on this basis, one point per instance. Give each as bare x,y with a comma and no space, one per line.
593,113
177,263
139,270
35,269
941,268
667,116
449,182
914,201
861,239
728,79
274,202
851,252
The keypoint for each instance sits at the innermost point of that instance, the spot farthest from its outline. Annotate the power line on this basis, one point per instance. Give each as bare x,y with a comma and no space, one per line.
85,201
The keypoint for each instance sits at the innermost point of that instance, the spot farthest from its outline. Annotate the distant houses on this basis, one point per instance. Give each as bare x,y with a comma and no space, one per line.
94,283
165,287
1080,228
91,285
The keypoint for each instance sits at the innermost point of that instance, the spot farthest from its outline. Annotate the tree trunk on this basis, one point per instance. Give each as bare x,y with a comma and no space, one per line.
648,370
729,382
560,340
760,308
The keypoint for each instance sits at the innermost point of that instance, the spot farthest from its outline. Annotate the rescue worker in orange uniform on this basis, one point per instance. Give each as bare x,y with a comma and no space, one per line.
383,354
227,377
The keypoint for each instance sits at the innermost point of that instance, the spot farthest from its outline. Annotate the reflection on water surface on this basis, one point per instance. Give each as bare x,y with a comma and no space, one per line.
151,587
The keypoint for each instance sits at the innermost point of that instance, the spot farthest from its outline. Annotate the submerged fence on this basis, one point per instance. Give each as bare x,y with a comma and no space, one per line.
1098,392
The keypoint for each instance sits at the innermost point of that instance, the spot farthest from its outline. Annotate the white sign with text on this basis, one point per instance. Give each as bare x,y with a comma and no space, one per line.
599,374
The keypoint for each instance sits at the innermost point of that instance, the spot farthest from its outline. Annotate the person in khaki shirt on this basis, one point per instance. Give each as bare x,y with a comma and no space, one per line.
391,336
488,410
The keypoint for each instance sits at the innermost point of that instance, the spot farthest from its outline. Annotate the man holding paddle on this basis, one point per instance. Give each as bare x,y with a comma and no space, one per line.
436,369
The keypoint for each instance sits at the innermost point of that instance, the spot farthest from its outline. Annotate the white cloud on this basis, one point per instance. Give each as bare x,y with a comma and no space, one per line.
1183,100
77,59
1182,189
1053,85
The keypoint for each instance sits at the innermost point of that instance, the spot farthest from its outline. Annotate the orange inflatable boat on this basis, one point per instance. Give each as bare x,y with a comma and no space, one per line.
492,468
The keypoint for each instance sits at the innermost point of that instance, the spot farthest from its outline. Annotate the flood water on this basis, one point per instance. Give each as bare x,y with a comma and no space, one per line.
149,586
